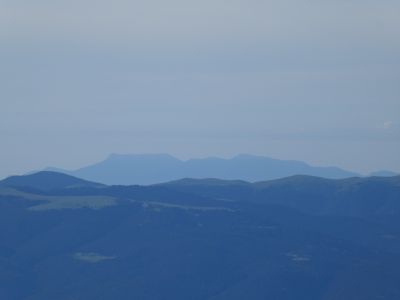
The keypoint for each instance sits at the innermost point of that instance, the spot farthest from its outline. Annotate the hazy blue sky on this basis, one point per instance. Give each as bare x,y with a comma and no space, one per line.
312,80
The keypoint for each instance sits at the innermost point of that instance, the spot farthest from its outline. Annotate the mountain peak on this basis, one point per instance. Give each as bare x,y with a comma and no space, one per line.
47,180
117,156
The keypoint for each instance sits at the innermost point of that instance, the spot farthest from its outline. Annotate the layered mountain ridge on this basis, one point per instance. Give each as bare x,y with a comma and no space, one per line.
147,169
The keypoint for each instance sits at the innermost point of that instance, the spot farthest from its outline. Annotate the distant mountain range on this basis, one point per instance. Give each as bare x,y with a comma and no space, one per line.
295,238
155,168
383,173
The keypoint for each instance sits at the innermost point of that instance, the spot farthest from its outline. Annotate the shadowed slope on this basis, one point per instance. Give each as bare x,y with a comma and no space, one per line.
46,180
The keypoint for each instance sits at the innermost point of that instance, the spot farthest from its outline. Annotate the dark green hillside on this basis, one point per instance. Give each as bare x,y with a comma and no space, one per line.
358,197
47,180
202,240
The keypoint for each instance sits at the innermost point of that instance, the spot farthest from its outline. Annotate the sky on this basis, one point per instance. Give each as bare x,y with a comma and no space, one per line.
317,81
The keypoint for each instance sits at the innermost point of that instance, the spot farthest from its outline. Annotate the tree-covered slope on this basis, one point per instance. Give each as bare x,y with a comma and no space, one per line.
202,240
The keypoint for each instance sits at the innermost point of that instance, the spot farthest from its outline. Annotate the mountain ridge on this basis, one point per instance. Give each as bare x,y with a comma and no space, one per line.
145,169
47,180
